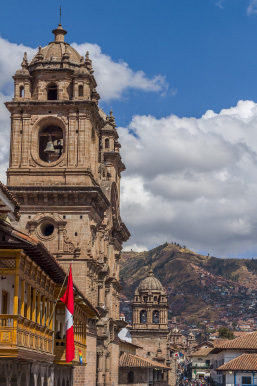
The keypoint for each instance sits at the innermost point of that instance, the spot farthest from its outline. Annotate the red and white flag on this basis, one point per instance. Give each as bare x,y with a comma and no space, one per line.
68,299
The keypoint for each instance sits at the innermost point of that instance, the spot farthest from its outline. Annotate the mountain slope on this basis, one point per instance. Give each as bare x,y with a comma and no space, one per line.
199,287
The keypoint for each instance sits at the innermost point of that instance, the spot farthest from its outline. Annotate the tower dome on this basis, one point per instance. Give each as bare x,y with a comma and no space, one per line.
56,52
150,283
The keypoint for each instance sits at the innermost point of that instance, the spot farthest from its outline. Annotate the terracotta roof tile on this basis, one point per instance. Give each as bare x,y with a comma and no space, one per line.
129,360
203,351
245,362
246,342
219,341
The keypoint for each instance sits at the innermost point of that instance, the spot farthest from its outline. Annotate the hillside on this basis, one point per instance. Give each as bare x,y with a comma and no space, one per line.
199,287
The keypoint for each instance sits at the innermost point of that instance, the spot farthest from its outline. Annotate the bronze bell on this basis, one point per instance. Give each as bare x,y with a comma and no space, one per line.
50,146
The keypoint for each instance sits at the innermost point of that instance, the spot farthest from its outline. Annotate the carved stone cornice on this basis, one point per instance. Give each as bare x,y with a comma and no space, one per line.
64,196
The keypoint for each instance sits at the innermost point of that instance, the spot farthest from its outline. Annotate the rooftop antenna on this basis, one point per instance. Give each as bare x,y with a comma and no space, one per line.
60,8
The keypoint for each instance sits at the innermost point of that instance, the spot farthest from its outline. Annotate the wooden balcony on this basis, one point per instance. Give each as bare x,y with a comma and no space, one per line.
60,352
23,338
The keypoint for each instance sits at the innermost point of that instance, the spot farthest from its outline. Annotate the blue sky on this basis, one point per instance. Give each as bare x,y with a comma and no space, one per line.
181,75
206,49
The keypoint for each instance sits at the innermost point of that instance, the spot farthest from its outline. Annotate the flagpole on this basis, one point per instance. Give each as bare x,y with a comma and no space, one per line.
51,316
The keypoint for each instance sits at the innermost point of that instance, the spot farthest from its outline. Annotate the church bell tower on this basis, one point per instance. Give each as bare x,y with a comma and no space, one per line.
65,168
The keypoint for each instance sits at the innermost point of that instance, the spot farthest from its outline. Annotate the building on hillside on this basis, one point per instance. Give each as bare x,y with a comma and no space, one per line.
230,356
201,363
65,168
150,319
32,344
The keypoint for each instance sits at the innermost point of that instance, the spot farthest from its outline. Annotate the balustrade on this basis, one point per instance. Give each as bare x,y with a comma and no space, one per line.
19,332
60,351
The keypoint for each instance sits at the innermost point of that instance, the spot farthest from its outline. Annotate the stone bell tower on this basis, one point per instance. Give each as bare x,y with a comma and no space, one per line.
65,169
150,320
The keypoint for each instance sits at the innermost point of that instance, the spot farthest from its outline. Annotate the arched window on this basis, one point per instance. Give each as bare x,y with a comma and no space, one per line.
143,316
81,91
131,377
52,92
50,143
21,91
155,316
107,143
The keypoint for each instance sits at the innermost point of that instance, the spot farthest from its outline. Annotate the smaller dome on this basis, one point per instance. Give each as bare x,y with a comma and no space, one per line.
22,72
150,283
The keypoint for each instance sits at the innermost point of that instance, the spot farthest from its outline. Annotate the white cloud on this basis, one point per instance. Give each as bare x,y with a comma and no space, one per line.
252,7
10,61
192,180
219,4
114,78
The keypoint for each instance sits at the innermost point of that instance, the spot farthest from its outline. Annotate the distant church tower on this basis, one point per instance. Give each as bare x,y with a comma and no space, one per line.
150,320
65,170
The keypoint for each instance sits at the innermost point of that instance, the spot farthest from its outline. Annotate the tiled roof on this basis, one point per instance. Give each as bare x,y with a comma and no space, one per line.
219,341
246,342
129,360
245,362
203,351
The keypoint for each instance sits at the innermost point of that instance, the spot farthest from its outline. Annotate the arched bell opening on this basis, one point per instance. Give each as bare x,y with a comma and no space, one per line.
156,316
81,91
143,316
50,143
21,91
52,92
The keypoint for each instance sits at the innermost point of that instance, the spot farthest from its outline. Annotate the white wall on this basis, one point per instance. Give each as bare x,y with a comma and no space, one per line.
8,286
221,358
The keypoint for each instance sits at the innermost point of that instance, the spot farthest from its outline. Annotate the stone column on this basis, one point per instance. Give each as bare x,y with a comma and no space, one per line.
27,93
100,369
101,291
107,368
25,140
72,140
15,154
60,238
82,140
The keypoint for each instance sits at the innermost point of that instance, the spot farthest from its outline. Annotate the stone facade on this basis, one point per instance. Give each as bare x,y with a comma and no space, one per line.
65,170
150,323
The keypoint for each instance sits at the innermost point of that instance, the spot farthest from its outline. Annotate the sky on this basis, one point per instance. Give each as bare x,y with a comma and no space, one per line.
181,79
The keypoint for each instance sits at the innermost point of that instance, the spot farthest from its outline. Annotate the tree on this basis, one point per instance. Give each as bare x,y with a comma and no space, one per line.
225,333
